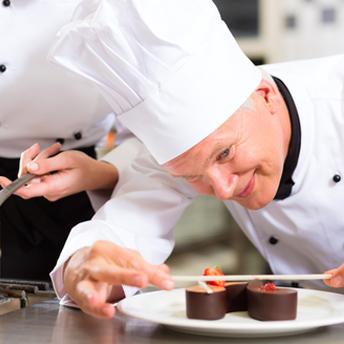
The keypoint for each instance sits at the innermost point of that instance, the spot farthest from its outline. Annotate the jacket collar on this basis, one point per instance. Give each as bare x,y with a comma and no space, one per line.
286,183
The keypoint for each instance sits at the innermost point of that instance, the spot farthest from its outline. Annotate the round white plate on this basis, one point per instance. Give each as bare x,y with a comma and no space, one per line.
315,309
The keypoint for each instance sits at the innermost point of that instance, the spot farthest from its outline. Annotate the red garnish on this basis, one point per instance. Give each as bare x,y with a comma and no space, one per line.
269,287
214,271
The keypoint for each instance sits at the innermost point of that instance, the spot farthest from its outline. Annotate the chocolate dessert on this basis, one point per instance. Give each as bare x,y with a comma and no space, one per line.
267,302
203,305
236,296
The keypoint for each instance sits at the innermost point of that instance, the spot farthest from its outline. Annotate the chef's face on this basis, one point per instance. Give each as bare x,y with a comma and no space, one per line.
243,159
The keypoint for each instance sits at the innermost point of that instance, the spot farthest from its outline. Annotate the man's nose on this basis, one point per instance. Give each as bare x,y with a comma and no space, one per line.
223,183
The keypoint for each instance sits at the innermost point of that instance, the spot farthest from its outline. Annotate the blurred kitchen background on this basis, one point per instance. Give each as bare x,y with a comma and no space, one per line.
268,31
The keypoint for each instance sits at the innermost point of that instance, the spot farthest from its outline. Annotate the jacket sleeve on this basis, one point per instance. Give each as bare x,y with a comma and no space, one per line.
140,215
121,157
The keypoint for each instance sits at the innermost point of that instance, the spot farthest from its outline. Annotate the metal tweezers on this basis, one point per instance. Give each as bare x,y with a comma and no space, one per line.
14,186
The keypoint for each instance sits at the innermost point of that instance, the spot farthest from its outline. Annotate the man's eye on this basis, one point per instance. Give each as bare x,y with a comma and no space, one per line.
223,155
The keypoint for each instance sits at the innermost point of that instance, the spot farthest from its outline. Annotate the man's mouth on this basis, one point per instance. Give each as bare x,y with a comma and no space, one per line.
249,187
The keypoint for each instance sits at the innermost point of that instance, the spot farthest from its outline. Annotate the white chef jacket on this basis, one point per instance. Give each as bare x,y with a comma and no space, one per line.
308,225
40,101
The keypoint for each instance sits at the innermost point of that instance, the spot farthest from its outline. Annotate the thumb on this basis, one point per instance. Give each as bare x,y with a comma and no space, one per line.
336,281
46,166
337,278
26,157
4,182
33,167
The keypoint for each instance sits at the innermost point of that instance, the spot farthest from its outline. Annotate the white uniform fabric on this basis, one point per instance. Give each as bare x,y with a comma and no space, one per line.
164,66
39,101
42,102
308,224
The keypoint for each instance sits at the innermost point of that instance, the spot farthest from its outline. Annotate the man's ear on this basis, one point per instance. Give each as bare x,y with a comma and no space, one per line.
269,94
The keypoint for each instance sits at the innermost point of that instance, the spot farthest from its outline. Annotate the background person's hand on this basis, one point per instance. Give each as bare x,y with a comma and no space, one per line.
337,279
63,174
93,277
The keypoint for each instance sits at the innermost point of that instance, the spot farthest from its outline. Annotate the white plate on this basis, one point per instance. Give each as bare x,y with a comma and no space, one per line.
315,309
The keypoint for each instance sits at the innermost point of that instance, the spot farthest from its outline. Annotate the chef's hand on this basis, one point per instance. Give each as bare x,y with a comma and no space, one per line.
337,279
93,276
62,174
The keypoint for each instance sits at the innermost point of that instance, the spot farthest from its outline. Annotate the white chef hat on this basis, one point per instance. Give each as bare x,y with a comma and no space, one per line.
170,69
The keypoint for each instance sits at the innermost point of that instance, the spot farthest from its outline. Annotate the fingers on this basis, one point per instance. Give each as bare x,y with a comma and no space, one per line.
27,191
45,166
66,179
140,276
44,186
36,188
4,182
165,268
47,152
91,297
39,164
93,273
159,278
26,157
337,279
114,275
157,275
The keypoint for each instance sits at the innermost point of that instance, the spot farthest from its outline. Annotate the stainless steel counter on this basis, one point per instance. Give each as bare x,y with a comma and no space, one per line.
47,323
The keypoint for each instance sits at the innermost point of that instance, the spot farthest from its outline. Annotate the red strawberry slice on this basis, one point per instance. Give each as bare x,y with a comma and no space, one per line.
214,271
270,286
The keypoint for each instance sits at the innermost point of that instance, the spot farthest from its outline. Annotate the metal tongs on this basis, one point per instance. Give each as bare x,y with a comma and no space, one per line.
14,186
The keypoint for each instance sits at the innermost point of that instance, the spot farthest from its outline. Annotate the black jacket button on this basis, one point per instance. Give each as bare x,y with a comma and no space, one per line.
60,140
6,3
337,178
78,135
273,240
2,68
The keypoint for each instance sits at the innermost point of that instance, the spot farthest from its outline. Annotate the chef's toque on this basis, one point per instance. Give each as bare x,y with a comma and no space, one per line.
170,69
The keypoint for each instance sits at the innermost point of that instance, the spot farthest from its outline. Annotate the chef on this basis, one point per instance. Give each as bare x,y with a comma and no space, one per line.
44,103
267,141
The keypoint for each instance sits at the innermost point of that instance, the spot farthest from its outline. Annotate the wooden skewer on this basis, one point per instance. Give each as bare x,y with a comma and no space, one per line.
251,277
205,287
